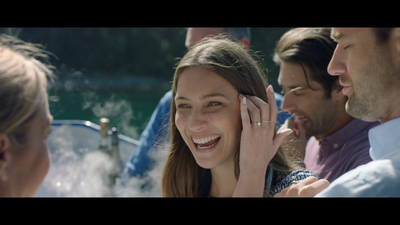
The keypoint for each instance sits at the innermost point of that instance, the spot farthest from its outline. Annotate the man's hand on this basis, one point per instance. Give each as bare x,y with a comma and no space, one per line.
308,187
294,144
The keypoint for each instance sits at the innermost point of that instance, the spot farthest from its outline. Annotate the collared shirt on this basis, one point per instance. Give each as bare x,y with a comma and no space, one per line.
340,152
379,178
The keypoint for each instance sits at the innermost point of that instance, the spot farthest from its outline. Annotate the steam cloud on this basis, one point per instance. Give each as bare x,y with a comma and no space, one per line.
117,108
78,171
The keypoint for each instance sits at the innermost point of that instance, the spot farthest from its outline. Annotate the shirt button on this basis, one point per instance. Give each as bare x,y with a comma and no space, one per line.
335,145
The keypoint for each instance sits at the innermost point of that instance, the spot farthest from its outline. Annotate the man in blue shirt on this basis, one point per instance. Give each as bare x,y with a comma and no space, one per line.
367,63
157,127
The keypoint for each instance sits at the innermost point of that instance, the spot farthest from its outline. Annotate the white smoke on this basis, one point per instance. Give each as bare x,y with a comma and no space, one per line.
149,184
78,168
112,107
74,171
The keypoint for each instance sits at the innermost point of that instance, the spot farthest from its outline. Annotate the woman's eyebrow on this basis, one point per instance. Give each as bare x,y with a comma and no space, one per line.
180,98
204,97
214,95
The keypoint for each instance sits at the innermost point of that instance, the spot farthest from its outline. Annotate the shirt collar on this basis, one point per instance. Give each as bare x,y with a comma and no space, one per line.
384,139
345,134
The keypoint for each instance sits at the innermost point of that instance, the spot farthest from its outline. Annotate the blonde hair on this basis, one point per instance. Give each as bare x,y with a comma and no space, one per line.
23,82
182,176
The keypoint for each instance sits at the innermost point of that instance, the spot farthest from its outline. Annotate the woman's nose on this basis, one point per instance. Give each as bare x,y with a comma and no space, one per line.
197,121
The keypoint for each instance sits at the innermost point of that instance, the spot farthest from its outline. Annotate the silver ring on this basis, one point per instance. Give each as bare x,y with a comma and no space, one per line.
257,123
265,121
294,182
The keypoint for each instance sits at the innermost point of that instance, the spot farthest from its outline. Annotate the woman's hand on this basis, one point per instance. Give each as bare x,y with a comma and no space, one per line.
257,145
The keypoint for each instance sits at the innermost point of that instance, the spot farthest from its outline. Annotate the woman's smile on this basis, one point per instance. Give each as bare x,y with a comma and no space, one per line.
206,142
208,116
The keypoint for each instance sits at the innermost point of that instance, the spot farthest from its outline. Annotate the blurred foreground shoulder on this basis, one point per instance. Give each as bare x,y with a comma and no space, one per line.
380,178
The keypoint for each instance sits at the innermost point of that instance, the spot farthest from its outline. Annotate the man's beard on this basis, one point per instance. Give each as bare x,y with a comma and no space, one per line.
373,90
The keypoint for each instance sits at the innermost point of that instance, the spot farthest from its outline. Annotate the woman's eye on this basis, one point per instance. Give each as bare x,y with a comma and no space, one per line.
214,104
183,106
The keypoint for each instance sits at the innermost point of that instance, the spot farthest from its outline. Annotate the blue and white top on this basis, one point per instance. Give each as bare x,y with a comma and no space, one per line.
275,181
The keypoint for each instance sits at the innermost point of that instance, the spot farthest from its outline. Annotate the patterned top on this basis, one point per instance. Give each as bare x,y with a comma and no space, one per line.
283,181
275,181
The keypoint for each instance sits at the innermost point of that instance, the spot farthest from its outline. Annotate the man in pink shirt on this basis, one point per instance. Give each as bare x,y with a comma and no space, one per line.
337,142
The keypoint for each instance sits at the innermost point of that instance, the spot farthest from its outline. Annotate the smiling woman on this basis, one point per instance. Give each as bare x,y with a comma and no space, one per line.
222,124
211,100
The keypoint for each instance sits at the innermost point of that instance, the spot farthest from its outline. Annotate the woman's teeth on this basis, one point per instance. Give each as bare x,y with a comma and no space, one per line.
207,142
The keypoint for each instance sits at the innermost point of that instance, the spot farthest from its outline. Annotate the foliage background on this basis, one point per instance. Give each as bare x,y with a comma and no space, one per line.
122,72
130,51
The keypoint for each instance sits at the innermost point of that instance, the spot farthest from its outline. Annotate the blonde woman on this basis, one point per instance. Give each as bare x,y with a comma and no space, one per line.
223,138
24,117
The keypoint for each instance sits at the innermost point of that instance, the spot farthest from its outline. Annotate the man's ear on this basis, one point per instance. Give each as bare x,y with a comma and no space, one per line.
395,38
246,42
4,155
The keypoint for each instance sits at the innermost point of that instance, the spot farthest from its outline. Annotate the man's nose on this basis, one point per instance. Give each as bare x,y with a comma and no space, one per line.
336,65
287,104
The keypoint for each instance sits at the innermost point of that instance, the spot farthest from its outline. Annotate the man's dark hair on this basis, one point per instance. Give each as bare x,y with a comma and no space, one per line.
382,34
312,47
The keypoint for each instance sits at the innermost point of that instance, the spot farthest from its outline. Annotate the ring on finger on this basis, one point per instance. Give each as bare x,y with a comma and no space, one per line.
265,121
294,182
257,123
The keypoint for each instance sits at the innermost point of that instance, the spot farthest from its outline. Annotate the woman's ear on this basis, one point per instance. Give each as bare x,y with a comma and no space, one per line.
4,155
